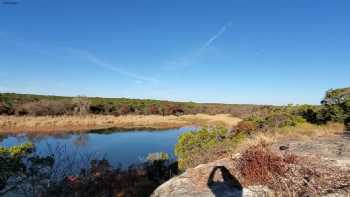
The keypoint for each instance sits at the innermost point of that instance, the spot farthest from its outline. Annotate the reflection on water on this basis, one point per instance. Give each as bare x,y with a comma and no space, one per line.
82,140
117,146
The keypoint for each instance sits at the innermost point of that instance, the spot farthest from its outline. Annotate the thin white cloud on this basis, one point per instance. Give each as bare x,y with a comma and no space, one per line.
190,59
215,37
111,67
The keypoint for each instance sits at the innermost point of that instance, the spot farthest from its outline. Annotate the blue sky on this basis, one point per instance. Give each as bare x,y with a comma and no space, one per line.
232,51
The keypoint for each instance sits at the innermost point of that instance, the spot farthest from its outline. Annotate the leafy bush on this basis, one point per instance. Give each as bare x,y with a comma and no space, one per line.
326,113
282,120
275,120
6,108
247,126
196,147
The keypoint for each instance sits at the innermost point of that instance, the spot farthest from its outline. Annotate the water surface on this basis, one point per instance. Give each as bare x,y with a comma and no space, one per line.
117,146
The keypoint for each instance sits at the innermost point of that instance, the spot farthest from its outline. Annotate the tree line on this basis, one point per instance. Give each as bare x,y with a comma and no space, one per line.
40,105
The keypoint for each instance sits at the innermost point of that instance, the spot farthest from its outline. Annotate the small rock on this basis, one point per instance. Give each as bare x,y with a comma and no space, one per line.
284,147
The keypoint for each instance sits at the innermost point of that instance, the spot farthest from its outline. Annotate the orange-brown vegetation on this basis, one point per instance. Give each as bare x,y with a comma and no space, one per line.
290,175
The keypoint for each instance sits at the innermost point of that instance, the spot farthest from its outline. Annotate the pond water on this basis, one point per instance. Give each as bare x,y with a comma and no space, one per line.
119,147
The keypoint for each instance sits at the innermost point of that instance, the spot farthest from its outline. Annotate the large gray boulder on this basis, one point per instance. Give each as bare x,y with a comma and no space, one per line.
208,180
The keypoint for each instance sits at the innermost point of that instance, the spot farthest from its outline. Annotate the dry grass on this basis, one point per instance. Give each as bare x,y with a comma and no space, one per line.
224,120
304,131
15,124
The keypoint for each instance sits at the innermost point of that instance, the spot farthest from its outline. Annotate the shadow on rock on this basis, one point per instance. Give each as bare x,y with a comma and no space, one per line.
223,184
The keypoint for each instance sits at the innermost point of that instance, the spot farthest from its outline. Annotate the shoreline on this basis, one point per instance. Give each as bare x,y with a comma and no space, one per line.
63,124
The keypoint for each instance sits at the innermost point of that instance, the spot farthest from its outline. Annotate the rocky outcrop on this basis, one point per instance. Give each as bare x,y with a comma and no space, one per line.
208,180
330,151
221,179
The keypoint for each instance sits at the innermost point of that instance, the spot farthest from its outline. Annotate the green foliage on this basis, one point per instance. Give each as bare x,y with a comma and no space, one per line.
274,120
194,143
335,93
257,119
282,120
325,113
17,151
248,125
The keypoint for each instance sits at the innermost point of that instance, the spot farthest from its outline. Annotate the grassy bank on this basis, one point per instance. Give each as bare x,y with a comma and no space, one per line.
31,124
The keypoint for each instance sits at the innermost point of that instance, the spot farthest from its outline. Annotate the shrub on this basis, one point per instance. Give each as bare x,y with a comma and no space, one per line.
159,156
247,126
190,143
152,109
101,179
281,120
257,119
97,109
347,123
81,105
290,175
335,113
125,109
275,120
6,108
27,174
311,116
336,106
205,145
159,168
258,165
45,108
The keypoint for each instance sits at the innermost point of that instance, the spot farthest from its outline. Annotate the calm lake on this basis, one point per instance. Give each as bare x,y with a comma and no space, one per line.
117,146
